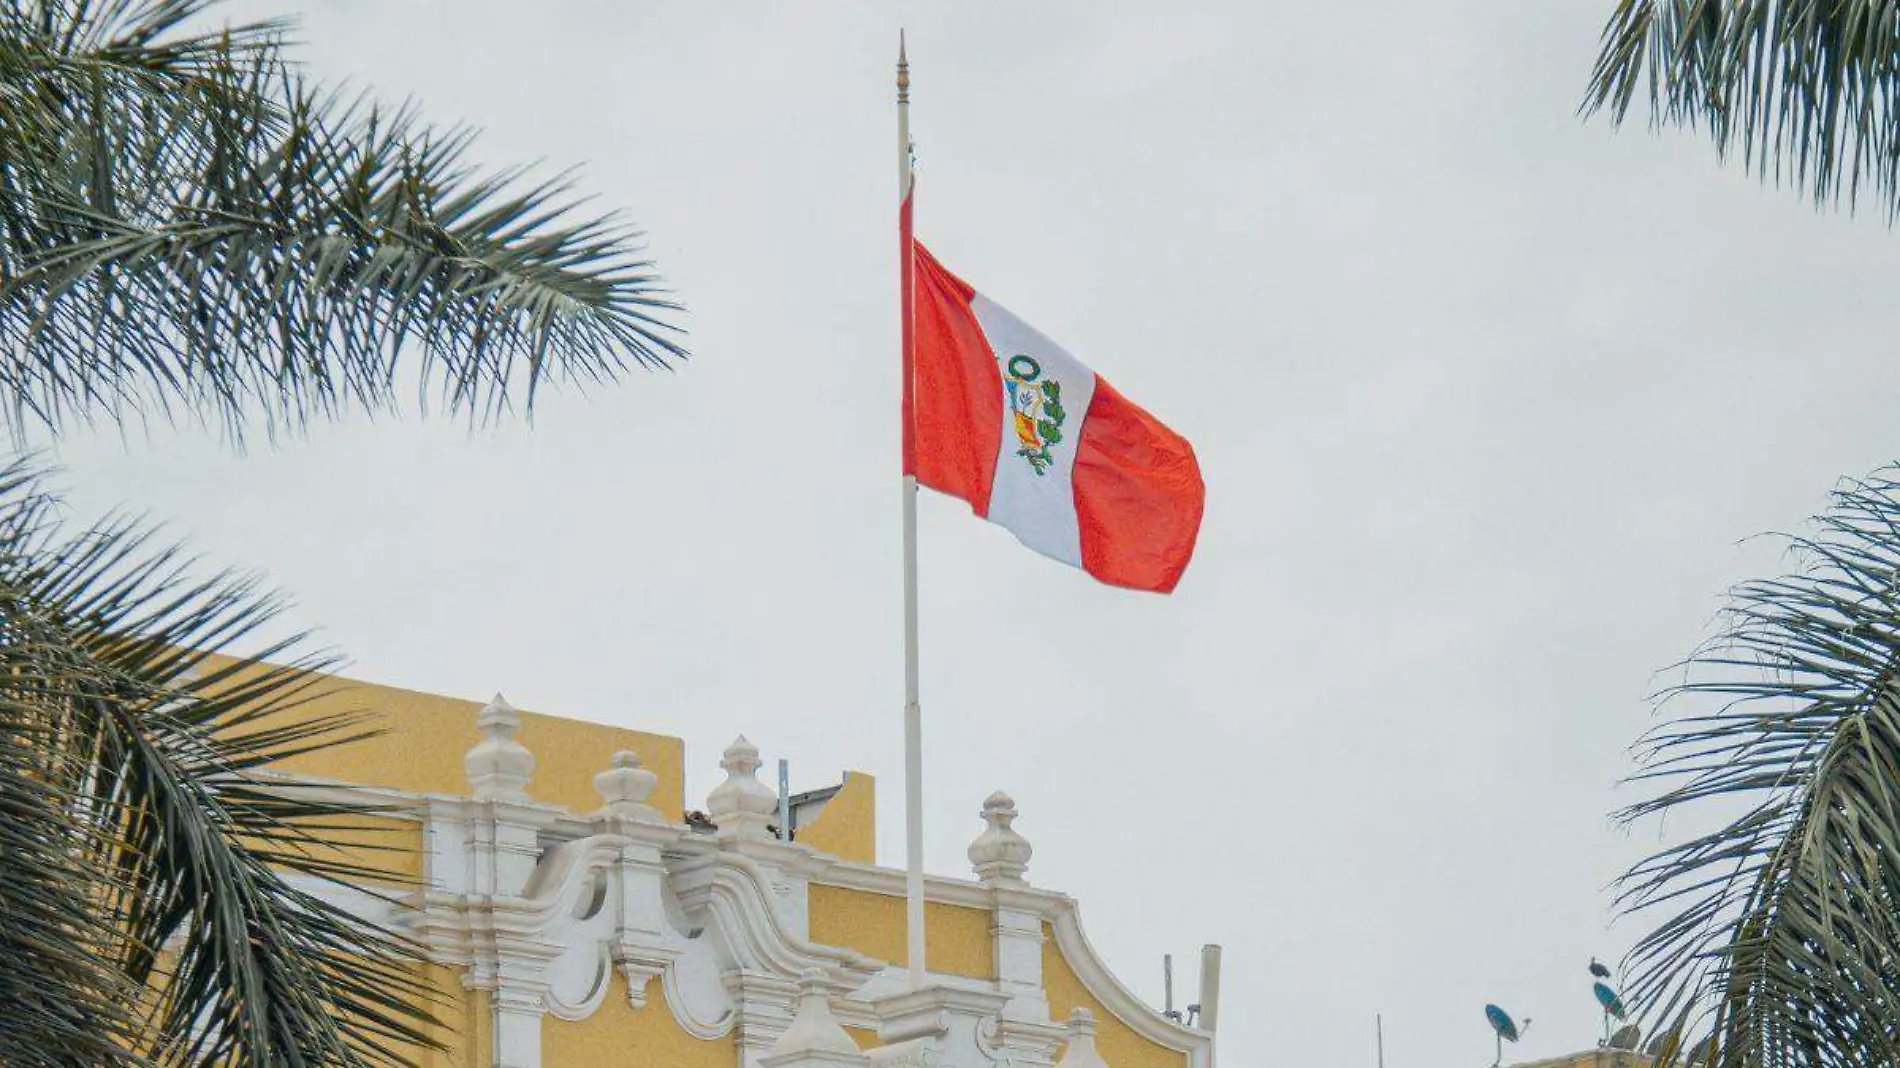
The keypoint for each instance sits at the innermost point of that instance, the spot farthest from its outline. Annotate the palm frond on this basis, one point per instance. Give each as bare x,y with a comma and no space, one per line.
192,864
1780,930
188,226
58,1009
1803,93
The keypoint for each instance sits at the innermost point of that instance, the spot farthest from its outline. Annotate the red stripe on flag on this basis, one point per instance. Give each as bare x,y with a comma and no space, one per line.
1138,495
956,411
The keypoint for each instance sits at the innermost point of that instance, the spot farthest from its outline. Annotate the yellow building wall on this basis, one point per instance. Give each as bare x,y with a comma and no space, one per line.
618,1034
847,826
461,1023
957,940
424,737
389,846
1118,1043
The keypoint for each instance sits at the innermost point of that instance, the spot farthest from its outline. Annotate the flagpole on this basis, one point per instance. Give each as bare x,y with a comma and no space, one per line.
913,711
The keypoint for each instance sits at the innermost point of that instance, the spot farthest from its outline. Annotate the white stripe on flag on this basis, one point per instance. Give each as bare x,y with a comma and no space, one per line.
1044,389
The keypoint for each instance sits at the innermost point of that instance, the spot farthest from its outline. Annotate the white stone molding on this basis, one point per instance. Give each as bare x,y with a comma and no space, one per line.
695,991
742,806
1016,933
1000,855
1081,1051
732,894
814,1039
940,889
515,1027
544,949
1197,1045
625,787
538,905
937,1025
1022,1043
498,767
1058,911
784,869
645,942
764,1005
574,905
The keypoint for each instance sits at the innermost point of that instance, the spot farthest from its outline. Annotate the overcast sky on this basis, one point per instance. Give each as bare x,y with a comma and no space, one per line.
1487,399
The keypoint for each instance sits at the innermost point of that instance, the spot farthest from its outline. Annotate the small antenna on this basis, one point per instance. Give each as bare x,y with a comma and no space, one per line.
1210,987
784,799
1167,988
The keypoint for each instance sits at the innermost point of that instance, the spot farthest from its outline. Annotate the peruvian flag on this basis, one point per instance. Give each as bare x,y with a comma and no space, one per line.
1003,417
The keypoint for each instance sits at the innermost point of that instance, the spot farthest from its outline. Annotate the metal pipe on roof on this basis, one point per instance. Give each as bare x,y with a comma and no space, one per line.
1210,986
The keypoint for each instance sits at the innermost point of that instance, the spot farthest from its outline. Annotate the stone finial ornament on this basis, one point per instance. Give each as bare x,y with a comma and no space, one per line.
626,786
1000,855
1081,1052
742,806
498,767
814,1037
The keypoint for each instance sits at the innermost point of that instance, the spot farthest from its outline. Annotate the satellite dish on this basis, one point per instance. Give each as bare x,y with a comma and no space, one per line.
1657,1043
1626,1037
1598,970
1610,1002
1700,1053
1505,1027
1502,1023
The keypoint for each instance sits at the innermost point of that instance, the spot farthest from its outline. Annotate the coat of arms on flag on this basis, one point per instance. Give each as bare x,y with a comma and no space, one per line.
1036,404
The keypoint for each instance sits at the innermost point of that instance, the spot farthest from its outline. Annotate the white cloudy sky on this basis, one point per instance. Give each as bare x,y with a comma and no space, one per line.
1486,397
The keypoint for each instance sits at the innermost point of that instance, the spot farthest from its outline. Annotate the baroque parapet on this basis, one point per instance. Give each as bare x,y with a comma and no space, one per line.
540,906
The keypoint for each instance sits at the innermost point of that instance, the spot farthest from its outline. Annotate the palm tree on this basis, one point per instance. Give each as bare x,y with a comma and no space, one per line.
189,230
1780,929
1802,92
1782,925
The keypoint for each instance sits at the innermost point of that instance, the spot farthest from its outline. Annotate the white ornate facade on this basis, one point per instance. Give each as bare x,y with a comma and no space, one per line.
625,921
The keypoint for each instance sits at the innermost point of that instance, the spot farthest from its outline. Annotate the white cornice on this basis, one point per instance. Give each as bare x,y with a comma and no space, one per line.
1082,959
1062,913
736,891
851,875
731,885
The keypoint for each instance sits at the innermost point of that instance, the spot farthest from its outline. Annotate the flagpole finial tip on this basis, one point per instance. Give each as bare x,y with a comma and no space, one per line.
903,70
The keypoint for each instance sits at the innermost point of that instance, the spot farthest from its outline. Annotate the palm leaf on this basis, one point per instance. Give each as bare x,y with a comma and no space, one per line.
57,1006
183,869
1780,929
1800,92
188,226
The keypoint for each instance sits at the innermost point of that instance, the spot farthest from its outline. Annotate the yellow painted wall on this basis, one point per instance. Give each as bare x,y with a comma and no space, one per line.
425,736
1117,1042
847,826
460,1024
956,939
617,1034
390,846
